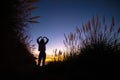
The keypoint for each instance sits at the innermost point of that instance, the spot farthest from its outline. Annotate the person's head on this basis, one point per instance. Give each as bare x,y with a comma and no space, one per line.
42,41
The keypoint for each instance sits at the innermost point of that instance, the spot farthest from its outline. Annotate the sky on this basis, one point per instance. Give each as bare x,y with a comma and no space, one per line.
62,16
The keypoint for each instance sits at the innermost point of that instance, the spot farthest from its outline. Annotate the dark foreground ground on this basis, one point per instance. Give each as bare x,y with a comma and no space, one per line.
82,69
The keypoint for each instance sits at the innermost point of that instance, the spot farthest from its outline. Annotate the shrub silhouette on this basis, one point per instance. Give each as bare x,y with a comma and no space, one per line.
100,39
97,44
16,17
96,48
95,35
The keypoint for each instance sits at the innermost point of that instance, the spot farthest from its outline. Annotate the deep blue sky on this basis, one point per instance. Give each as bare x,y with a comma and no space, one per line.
62,16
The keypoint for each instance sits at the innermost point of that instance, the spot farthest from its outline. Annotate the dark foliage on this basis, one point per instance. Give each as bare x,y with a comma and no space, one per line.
98,49
15,19
93,53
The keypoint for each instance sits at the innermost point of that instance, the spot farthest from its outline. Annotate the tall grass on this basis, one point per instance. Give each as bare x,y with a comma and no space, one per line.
16,18
94,47
72,44
96,37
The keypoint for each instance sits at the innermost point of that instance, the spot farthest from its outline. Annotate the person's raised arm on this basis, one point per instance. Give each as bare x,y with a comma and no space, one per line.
46,40
38,39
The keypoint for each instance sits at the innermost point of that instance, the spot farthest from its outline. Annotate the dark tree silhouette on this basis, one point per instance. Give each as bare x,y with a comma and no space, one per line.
16,16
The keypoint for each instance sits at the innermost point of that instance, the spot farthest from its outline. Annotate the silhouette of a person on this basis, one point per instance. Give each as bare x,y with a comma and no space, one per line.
42,48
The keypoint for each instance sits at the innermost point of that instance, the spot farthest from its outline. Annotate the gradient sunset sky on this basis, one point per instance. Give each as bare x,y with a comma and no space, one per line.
62,16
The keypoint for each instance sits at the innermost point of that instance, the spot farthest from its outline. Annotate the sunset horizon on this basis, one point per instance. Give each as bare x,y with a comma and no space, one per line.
60,39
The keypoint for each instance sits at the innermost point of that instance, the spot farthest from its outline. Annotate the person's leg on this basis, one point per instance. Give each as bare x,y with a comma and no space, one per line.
44,57
39,59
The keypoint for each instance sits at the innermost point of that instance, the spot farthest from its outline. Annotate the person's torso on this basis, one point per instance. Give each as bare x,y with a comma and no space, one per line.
42,47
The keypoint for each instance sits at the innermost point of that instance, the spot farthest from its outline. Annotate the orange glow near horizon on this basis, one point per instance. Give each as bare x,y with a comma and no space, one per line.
49,57
49,50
